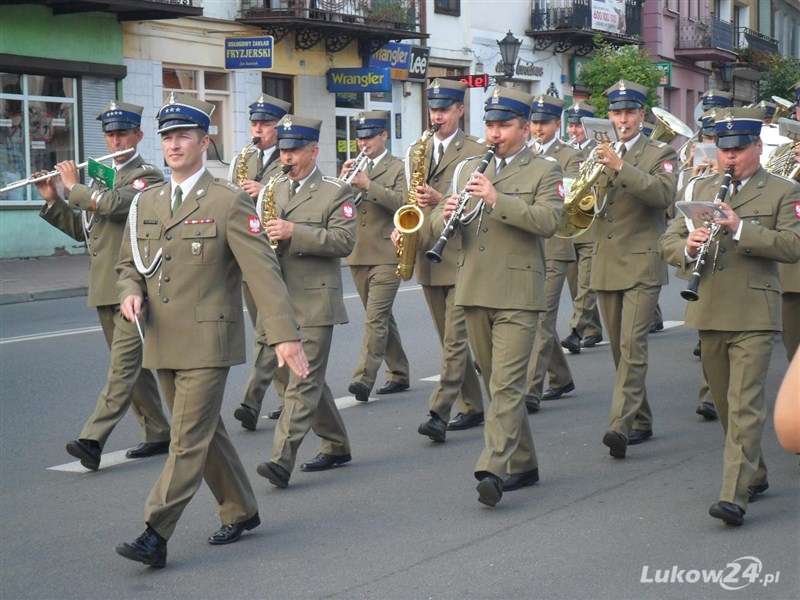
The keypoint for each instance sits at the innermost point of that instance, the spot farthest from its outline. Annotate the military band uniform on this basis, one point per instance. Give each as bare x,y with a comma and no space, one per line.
738,313
372,266
547,357
585,321
458,381
628,272
96,215
324,232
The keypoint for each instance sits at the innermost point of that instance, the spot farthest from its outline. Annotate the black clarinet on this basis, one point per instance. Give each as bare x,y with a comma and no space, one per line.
690,293
435,253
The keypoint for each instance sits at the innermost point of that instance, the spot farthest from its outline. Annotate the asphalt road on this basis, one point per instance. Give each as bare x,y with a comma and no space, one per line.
402,520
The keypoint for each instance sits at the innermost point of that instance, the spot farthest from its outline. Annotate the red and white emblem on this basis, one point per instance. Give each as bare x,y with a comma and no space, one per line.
560,189
139,184
348,210
667,166
797,209
254,224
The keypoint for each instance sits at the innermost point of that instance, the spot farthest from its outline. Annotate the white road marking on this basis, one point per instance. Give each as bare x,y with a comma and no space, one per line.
106,460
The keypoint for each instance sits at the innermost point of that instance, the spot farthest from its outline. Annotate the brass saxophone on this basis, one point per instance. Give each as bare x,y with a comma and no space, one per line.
241,165
409,218
266,200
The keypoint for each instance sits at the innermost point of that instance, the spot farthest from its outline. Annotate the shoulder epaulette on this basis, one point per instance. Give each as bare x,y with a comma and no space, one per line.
658,144
227,184
334,180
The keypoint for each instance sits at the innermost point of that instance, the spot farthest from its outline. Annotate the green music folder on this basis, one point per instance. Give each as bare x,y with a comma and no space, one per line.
101,173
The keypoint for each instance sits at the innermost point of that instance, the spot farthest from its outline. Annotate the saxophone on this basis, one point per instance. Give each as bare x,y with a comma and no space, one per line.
241,164
266,201
409,218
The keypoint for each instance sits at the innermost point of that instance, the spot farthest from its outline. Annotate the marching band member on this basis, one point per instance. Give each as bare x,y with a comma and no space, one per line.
738,306
627,271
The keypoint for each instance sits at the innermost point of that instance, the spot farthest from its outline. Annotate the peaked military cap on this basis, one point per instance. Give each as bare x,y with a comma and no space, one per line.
579,110
371,122
506,103
715,98
626,94
442,93
294,131
268,108
184,112
546,108
119,116
738,126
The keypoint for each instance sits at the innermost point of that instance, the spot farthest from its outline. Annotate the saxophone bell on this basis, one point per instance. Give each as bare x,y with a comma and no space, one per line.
266,201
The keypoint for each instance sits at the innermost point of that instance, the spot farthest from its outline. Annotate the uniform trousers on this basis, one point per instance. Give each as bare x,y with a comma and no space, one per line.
309,403
503,341
127,384
547,355
458,382
199,449
585,315
735,364
264,360
628,316
377,287
790,307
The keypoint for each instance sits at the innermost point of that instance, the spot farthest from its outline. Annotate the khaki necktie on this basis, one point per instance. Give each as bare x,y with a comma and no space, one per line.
295,187
735,187
623,150
500,166
177,199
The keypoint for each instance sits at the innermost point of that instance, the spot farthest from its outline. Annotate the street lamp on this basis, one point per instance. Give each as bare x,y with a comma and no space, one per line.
726,75
509,50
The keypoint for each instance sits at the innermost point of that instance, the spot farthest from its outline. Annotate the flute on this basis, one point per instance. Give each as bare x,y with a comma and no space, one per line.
54,173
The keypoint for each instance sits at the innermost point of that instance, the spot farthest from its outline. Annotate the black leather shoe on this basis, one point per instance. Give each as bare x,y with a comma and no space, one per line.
753,491
637,436
616,442
590,341
276,474
274,415
462,421
572,343
732,514
435,428
392,387
146,449
656,327
520,480
707,411
87,451
323,462
490,490
247,416
697,350
149,548
556,393
227,534
359,390
532,404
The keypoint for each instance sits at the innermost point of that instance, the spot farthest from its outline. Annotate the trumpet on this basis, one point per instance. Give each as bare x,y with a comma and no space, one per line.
54,173
362,160
535,145
690,293
457,217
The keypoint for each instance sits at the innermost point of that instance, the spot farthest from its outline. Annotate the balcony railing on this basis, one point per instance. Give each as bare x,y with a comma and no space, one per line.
757,40
578,15
392,14
709,33
126,10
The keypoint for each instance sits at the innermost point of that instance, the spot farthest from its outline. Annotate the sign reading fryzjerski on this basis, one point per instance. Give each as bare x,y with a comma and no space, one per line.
609,15
249,52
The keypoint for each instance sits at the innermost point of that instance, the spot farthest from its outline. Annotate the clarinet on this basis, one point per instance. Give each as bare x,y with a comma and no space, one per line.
435,253
690,293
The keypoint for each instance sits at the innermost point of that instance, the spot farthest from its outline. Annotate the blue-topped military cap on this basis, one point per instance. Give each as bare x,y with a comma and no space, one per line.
626,94
647,128
769,108
579,110
119,116
371,122
295,132
738,126
546,108
504,104
708,118
442,93
716,99
184,112
268,108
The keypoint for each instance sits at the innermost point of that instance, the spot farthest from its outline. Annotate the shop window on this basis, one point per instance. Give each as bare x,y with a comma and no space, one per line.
447,7
37,128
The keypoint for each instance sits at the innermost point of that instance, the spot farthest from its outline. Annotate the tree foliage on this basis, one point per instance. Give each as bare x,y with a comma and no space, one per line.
610,64
780,75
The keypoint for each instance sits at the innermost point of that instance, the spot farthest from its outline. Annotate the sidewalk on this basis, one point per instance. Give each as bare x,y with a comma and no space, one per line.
48,278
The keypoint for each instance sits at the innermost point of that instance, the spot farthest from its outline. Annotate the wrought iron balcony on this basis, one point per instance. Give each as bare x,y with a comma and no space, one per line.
126,10
336,23
756,40
705,39
568,25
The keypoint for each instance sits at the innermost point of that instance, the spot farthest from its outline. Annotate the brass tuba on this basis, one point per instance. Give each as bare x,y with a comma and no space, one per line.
408,219
782,162
668,126
241,164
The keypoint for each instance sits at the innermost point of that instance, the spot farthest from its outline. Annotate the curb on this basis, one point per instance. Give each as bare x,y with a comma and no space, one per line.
20,297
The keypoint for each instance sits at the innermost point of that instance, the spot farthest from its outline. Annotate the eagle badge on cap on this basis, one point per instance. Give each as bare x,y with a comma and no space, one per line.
171,98
287,122
540,100
113,105
495,99
436,85
622,90
362,119
729,118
